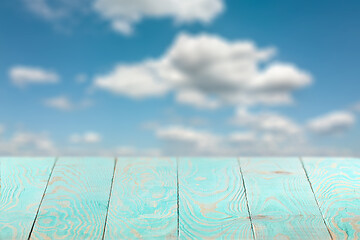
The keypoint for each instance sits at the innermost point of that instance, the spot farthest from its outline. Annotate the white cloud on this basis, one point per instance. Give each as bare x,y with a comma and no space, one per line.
281,77
187,141
65,104
88,137
243,137
197,99
123,14
22,76
62,103
207,71
81,78
57,10
133,81
24,143
2,129
124,151
266,121
332,123
356,107
44,10
122,27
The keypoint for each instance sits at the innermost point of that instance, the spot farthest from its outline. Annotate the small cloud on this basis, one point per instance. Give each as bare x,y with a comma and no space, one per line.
122,27
62,103
266,122
356,107
81,78
189,141
88,137
124,151
22,76
44,10
28,143
332,123
243,137
2,129
65,104
124,14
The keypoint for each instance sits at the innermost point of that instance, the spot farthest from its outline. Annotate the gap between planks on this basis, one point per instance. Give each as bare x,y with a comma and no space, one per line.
108,205
42,198
246,198
312,190
178,198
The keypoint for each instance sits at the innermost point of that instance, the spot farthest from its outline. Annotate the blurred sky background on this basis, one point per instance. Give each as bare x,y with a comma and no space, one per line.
179,77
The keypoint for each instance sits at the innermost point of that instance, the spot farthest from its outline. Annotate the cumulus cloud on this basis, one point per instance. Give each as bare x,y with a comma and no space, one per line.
207,71
88,137
81,78
56,10
184,141
23,75
181,140
332,123
356,107
24,143
131,151
267,122
138,81
187,141
123,14
262,133
44,10
243,137
65,104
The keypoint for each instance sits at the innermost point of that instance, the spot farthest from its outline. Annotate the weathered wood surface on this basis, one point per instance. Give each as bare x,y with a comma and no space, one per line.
336,184
186,198
282,205
144,200
76,200
22,185
212,200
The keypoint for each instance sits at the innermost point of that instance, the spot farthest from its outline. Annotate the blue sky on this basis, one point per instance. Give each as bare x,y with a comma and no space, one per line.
200,77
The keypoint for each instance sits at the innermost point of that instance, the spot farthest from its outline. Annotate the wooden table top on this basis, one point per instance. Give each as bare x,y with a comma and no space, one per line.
179,198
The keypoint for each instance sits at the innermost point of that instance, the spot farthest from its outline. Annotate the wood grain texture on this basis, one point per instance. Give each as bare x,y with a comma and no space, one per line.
76,200
282,205
212,200
336,184
22,185
143,204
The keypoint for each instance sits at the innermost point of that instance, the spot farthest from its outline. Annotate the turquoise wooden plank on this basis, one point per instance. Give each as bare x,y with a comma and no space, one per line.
143,202
212,200
22,185
76,200
281,203
336,184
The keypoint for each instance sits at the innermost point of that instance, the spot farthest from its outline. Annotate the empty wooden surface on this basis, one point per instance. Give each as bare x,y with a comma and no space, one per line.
76,200
22,184
212,200
185,198
144,200
336,184
282,205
